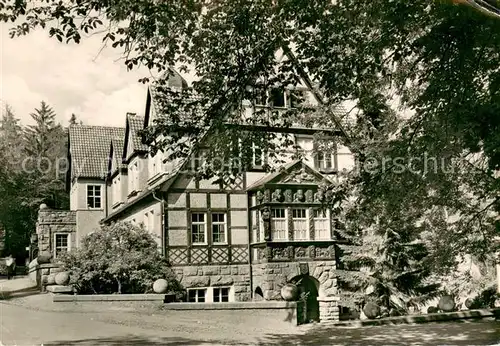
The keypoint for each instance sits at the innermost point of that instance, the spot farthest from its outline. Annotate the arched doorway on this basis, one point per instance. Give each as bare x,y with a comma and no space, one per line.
308,292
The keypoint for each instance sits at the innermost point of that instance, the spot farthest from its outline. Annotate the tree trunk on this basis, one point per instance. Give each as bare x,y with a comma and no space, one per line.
119,286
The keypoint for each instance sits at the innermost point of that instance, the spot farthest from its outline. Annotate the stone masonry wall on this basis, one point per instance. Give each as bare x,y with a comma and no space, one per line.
237,276
54,221
270,277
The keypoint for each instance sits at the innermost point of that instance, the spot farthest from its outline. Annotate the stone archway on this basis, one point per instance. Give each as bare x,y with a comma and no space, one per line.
309,290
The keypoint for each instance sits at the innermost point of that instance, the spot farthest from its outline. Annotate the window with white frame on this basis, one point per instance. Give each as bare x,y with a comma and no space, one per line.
219,228
279,224
198,228
94,198
61,243
321,224
300,224
325,161
221,294
197,295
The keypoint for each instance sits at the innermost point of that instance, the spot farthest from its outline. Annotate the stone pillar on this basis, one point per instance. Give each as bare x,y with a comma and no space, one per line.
328,309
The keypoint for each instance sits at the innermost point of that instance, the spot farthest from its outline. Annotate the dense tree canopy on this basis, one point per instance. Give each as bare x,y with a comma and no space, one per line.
424,77
28,173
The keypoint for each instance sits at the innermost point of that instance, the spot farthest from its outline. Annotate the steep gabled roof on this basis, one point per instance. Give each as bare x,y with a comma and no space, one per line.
156,99
89,149
134,124
116,154
293,173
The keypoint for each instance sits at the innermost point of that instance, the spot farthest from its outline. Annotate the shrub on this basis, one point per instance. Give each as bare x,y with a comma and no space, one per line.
120,258
485,299
3,267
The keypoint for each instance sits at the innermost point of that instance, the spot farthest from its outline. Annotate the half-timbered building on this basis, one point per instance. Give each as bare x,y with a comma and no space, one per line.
234,240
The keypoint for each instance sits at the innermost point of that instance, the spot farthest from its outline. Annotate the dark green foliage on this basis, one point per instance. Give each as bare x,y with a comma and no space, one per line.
120,258
486,299
432,310
29,174
386,269
45,153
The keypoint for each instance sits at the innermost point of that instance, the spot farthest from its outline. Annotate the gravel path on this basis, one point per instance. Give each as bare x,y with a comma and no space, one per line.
36,319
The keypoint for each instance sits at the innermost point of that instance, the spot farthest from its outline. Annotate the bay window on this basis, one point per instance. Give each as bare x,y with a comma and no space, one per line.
300,224
279,224
321,224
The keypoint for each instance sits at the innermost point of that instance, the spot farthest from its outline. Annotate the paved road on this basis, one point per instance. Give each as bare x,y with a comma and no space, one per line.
24,326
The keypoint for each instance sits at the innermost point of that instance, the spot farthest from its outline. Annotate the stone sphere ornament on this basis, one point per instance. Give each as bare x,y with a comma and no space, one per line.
62,278
44,257
160,286
469,303
289,292
447,303
371,310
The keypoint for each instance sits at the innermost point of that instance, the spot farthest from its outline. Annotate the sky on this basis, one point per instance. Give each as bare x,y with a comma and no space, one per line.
71,78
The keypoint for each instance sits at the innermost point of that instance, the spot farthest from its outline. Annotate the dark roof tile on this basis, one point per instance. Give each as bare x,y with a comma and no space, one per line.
89,149
136,124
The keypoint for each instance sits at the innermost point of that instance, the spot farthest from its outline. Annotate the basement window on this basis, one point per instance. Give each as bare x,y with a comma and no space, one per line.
221,294
197,295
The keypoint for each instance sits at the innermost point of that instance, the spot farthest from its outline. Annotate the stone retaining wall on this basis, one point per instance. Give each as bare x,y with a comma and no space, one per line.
237,276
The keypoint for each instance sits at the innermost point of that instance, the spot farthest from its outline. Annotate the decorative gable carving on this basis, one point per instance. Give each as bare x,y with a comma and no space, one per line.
300,176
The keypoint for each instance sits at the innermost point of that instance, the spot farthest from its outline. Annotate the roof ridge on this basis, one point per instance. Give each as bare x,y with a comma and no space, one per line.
97,126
